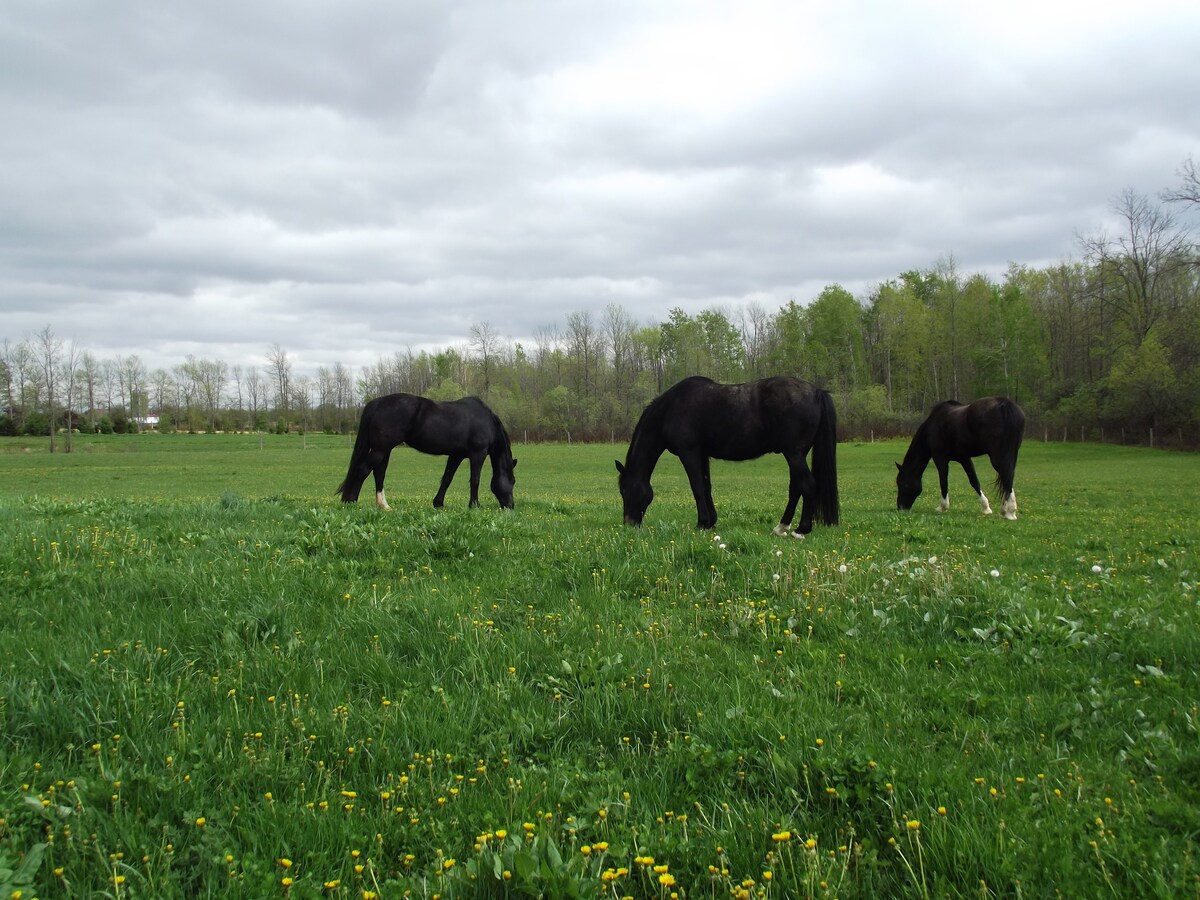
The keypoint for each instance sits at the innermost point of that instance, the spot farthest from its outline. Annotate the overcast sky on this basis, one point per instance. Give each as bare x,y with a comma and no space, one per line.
350,179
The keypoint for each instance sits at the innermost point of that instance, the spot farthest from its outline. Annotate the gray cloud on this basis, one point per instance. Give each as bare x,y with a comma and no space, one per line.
348,180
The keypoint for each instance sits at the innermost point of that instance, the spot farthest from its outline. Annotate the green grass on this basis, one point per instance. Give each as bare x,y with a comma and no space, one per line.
216,680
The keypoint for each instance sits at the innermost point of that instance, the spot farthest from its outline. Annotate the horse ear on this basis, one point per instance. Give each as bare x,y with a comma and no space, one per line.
514,465
898,466
620,468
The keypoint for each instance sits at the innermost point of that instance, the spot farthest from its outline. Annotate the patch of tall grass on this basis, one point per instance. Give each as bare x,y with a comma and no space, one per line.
217,680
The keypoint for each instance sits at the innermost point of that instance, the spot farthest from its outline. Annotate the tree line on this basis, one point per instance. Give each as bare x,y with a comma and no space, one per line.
1105,344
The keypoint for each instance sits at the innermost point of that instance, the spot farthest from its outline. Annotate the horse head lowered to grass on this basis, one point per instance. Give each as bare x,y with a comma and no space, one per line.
698,419
459,429
958,432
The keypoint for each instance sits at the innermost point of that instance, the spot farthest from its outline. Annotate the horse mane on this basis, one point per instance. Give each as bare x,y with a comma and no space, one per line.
650,419
501,444
919,453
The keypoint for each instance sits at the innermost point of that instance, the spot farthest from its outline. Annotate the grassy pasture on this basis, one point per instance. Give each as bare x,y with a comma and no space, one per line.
216,680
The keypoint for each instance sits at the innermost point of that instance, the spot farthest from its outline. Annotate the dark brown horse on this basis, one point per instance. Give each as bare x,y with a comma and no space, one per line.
958,432
460,429
699,419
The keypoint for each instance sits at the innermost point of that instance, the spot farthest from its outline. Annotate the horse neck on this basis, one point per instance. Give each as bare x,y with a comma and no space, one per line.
919,454
645,448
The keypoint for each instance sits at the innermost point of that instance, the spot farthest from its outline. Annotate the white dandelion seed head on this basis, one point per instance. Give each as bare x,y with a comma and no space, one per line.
995,573
843,568
1097,569
775,577
720,546
778,553
716,538
932,560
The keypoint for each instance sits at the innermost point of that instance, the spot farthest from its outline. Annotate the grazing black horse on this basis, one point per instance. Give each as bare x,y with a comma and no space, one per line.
459,429
957,432
698,419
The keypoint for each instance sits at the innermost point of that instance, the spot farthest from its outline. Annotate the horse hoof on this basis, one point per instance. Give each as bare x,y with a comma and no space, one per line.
780,530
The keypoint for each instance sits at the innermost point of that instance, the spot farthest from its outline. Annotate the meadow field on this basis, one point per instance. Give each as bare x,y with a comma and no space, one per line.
216,680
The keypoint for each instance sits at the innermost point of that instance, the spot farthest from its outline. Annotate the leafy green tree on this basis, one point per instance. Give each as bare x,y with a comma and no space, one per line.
1142,385
683,346
901,325
833,345
722,345
786,344
556,408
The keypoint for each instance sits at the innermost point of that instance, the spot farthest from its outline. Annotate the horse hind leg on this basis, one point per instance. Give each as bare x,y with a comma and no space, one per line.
984,506
801,484
1005,476
379,463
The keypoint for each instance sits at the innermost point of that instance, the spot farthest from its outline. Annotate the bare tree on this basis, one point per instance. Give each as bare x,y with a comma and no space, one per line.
1139,266
212,376
256,391
163,386
71,389
343,394
485,344
235,375
108,385
49,355
1189,188
89,382
21,382
279,370
755,326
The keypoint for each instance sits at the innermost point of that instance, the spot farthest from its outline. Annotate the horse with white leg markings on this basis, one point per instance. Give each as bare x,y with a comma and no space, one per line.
463,429
958,432
699,419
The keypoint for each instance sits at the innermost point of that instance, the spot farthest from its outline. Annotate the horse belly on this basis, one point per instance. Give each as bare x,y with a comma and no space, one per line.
732,444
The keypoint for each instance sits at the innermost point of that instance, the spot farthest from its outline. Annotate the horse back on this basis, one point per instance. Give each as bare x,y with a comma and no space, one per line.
978,428
739,421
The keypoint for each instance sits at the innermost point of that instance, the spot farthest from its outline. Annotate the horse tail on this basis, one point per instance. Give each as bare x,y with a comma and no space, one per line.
1012,431
824,458
352,483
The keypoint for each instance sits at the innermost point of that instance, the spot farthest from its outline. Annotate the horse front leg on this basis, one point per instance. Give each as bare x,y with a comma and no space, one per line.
943,470
969,468
699,477
452,465
476,473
